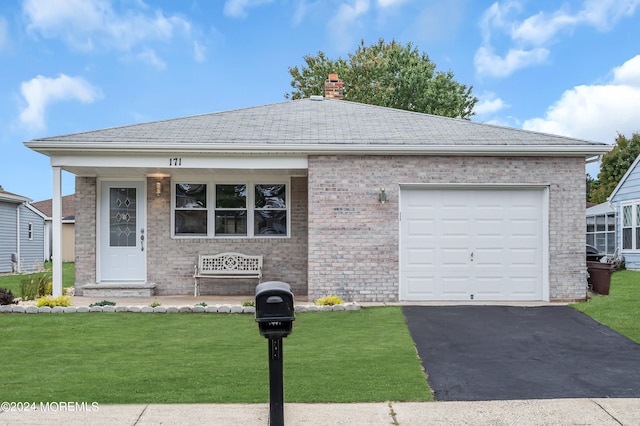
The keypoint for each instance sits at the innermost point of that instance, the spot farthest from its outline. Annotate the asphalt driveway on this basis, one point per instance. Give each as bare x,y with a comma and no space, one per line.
476,353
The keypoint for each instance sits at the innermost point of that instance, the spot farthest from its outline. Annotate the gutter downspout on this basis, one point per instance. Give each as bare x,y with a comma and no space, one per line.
18,269
618,227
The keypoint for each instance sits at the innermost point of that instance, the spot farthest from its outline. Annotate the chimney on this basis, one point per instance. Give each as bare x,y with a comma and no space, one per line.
333,87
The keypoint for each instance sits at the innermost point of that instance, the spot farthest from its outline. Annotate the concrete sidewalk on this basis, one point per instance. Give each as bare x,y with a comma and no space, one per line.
599,412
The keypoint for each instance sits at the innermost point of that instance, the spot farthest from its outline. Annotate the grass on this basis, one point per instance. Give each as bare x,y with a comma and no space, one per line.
358,356
620,310
12,282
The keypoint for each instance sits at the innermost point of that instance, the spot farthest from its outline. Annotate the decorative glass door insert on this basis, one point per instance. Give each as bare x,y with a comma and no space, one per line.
122,217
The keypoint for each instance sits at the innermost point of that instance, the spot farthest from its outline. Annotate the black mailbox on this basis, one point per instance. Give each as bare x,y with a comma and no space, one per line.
274,309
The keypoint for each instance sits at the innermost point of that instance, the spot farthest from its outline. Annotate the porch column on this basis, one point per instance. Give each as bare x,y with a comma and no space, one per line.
57,232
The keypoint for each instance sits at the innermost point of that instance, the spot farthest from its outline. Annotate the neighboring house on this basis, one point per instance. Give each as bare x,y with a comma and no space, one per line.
601,228
366,202
625,200
68,226
21,234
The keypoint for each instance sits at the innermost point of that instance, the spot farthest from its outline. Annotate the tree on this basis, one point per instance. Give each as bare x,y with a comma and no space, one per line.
592,186
387,74
615,164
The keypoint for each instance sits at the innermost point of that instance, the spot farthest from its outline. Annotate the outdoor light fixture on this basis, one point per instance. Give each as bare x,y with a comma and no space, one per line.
158,188
383,196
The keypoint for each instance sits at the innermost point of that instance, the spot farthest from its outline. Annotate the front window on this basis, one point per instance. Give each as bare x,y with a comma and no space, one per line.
270,210
236,209
190,214
231,209
631,226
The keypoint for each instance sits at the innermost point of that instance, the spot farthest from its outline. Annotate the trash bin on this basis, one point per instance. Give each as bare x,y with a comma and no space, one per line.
600,276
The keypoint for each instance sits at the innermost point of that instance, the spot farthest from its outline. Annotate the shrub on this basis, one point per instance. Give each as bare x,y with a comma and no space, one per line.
35,286
6,297
330,300
248,302
53,301
103,303
203,304
154,304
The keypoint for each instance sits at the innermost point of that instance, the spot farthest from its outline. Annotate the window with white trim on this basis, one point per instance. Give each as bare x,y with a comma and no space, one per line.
234,209
30,231
601,232
631,226
190,209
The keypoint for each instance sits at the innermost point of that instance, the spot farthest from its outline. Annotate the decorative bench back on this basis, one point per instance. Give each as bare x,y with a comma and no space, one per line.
229,263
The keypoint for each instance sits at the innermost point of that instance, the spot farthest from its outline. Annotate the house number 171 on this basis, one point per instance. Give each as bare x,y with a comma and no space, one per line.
175,161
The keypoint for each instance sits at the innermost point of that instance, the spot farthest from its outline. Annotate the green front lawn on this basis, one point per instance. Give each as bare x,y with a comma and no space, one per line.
354,356
620,310
12,282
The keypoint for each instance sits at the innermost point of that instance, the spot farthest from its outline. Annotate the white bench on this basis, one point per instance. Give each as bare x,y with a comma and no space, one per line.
226,265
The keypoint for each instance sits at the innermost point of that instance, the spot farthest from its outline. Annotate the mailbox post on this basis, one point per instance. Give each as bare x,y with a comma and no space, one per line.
275,316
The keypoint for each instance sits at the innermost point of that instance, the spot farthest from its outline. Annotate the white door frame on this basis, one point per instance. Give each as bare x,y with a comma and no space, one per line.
140,225
545,220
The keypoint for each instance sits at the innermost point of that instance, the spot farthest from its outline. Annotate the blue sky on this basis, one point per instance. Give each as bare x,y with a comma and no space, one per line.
566,67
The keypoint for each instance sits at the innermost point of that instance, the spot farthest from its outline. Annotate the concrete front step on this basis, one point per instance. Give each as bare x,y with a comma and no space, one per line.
119,290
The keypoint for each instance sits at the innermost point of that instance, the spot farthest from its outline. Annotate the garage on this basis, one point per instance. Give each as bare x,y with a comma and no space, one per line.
473,243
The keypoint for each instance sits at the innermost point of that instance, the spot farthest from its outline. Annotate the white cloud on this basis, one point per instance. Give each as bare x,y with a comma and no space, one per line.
238,8
199,51
488,63
87,25
628,73
489,104
41,91
530,38
149,56
391,3
345,20
596,112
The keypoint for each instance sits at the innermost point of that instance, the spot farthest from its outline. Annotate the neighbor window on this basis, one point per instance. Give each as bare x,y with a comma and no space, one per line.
236,209
631,226
601,232
30,231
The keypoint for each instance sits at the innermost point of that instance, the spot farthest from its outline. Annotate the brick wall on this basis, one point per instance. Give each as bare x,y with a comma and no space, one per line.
85,235
354,240
170,262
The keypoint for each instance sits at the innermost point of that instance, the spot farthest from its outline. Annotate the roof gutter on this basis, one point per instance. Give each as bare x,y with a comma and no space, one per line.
322,149
14,198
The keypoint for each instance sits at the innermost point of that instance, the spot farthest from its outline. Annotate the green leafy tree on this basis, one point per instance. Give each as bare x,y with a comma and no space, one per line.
387,74
592,185
614,165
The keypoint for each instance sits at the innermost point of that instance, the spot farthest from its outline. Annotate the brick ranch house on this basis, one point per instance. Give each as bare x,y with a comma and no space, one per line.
366,202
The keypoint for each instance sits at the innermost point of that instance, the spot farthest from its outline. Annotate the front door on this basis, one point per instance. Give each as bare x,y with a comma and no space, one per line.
122,234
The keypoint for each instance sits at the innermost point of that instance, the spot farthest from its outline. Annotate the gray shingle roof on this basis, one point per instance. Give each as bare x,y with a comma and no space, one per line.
312,122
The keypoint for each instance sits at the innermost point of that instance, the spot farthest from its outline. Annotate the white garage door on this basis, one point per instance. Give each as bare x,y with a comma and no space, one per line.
472,244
